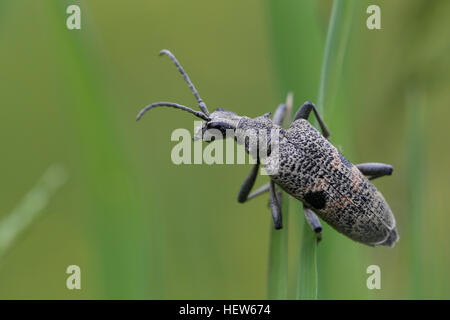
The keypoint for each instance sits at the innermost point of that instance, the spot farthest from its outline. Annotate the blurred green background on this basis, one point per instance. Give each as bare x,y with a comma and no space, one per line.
141,227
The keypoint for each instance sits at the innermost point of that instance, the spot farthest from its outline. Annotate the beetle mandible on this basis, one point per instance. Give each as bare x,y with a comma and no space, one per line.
311,170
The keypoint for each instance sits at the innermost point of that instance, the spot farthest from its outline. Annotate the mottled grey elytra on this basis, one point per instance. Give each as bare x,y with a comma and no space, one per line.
310,169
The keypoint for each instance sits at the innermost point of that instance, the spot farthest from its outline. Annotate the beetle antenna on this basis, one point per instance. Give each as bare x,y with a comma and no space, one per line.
173,105
201,104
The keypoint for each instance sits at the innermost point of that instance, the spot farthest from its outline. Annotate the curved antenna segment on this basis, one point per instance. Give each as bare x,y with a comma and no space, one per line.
201,104
172,105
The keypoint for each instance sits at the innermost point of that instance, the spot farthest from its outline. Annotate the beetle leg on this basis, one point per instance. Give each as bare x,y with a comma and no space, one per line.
375,170
279,114
259,191
305,110
275,207
248,183
283,110
274,201
313,221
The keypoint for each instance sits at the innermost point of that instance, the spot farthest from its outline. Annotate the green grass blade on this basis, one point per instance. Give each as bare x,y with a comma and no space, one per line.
277,284
333,58
335,47
296,43
307,281
337,36
416,189
29,209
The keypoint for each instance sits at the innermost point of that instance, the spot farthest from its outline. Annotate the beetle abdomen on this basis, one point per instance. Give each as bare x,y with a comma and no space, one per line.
312,170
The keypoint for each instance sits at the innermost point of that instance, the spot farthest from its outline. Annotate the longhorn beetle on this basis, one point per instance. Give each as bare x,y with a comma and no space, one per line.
311,170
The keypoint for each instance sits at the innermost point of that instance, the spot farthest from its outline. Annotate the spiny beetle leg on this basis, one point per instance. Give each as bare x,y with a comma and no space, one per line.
275,207
259,191
279,114
243,196
279,196
283,112
375,170
248,183
305,110
313,221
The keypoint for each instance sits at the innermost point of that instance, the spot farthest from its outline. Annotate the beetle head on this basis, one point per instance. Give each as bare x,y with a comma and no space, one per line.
221,120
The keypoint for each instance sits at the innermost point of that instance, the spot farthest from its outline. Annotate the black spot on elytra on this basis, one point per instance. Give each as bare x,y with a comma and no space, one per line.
317,199
345,161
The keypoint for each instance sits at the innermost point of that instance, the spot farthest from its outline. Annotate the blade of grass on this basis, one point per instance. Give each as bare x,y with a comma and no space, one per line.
307,281
335,47
297,41
416,174
32,205
277,284
297,66
336,41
